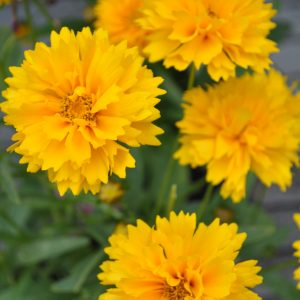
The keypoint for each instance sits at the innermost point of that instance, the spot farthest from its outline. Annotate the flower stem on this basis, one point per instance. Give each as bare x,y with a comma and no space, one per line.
205,200
29,20
172,199
192,77
171,164
2,73
166,180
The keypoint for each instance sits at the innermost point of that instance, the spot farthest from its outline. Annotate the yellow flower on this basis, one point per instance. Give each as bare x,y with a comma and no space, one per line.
175,260
5,2
297,253
219,34
119,19
110,192
89,13
297,219
241,125
120,228
225,214
77,105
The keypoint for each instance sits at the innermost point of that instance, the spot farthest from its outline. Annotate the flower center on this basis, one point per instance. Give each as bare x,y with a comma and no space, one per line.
177,292
78,106
211,14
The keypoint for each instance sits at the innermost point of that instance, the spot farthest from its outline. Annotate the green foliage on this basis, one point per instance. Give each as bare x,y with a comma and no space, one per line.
280,285
7,182
48,248
74,281
10,53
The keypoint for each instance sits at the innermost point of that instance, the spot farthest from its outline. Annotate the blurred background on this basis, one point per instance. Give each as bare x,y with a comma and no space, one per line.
280,206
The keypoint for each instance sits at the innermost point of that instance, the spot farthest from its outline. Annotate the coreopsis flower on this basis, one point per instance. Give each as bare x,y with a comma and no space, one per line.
225,214
296,108
219,34
77,105
241,125
111,192
89,13
177,260
297,253
119,19
297,219
5,2
120,228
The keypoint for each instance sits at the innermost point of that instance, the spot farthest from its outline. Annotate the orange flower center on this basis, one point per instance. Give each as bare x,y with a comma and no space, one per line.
78,106
177,292
212,14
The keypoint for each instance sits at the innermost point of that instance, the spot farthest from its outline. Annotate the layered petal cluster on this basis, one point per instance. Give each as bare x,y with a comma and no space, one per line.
178,260
119,18
297,253
77,105
221,34
245,124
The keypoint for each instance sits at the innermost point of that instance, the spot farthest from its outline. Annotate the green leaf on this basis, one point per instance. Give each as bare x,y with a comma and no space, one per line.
174,92
10,53
44,249
28,288
9,224
276,4
78,275
7,182
258,233
263,234
281,32
281,285
16,292
150,184
92,290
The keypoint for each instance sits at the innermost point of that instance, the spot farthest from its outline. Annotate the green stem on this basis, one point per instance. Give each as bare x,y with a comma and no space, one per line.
192,77
172,199
29,20
2,73
259,202
205,200
196,186
9,220
262,196
165,181
169,84
171,164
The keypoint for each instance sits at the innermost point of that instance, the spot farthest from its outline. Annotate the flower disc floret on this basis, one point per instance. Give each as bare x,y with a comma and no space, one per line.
246,124
221,34
178,260
77,105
